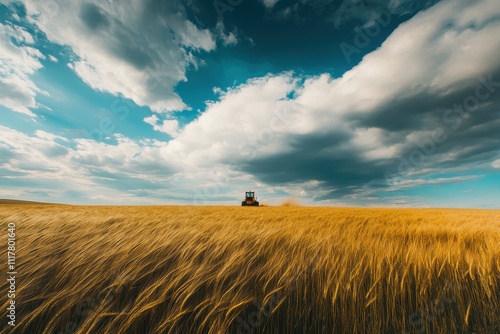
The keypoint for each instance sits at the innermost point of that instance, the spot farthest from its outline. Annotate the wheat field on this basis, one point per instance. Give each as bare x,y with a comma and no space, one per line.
253,270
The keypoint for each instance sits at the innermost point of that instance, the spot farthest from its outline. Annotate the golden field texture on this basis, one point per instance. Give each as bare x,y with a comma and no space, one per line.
253,270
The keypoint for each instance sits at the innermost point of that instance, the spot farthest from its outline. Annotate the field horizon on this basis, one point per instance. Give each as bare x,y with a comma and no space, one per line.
285,203
290,269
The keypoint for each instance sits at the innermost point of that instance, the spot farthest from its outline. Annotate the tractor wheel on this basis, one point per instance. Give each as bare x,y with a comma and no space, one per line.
243,203
255,203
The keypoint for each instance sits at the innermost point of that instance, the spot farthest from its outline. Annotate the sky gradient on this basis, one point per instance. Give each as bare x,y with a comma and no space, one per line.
359,103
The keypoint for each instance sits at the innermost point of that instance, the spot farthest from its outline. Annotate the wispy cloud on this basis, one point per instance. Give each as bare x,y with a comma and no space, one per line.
412,183
269,3
19,61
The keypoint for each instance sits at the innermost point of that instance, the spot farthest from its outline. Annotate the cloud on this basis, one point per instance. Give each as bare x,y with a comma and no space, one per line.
269,3
168,126
138,49
230,129
411,103
349,133
19,61
366,12
58,165
496,164
227,38
411,183
127,171
359,12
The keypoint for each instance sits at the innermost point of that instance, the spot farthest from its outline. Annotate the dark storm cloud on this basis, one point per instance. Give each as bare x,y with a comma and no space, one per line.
125,43
93,17
133,54
463,136
427,109
346,173
141,50
409,112
327,158
470,133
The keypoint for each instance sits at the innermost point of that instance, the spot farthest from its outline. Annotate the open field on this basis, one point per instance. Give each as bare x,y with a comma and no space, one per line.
260,270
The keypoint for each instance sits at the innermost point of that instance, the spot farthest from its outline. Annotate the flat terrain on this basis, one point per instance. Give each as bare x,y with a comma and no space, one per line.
253,270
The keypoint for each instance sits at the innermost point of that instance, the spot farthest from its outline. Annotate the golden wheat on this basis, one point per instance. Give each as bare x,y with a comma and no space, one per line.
260,270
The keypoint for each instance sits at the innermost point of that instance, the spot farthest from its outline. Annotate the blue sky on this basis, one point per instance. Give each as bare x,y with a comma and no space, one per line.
353,102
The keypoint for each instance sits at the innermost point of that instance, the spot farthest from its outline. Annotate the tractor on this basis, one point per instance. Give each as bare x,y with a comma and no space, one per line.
250,199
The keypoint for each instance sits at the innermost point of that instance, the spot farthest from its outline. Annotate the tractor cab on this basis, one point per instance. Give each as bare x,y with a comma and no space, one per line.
250,199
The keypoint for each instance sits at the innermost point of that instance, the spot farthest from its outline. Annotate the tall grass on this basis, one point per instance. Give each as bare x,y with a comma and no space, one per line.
260,270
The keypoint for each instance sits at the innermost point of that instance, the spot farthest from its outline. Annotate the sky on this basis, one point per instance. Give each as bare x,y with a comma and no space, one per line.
331,102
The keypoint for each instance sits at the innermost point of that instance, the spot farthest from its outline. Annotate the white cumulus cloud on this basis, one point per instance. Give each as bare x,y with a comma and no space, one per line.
168,126
138,49
18,61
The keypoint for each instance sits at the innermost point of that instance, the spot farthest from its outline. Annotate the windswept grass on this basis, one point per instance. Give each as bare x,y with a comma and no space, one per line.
261,270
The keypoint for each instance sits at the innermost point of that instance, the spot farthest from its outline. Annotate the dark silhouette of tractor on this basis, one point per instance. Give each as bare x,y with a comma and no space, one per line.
250,199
